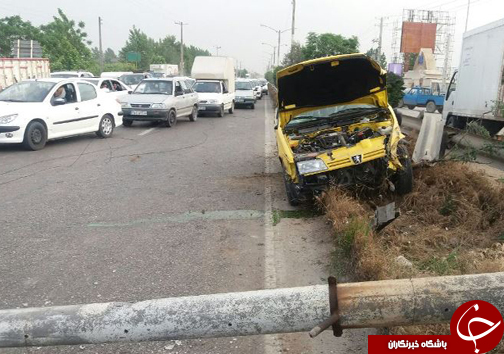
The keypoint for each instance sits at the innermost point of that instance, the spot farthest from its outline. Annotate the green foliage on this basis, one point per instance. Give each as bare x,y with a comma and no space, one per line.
271,75
295,55
242,73
138,42
109,56
449,206
395,85
355,227
441,266
12,28
325,44
380,58
476,128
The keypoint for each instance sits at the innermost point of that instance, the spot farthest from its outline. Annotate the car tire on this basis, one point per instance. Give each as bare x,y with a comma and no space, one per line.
292,195
400,104
127,123
35,137
252,106
411,107
404,177
231,109
430,107
193,117
171,120
106,127
220,113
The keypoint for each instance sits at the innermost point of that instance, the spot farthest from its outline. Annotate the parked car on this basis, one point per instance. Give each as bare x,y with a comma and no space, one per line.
160,100
423,97
244,95
69,74
132,80
112,87
335,127
35,111
215,84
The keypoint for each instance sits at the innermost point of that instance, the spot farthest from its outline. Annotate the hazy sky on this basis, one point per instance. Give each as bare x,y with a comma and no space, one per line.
234,25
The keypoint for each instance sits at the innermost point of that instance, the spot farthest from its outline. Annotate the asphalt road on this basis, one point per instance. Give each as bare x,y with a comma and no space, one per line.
152,212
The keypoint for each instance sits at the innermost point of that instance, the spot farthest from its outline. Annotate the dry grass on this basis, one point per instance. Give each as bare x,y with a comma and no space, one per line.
452,223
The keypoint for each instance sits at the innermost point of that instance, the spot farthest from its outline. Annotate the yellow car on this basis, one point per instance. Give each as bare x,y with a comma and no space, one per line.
335,127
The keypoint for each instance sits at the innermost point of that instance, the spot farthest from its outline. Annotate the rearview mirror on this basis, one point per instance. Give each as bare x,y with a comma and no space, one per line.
59,101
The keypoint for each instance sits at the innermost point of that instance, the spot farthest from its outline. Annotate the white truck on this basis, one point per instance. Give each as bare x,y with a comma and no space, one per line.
476,90
14,70
166,70
215,84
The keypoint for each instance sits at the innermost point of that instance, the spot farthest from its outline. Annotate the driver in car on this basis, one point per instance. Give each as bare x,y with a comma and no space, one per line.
60,93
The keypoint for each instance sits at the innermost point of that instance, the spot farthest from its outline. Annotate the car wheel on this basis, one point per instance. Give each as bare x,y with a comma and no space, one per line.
106,127
221,111
193,117
252,106
400,104
404,177
292,195
127,122
171,120
231,110
35,136
411,107
431,107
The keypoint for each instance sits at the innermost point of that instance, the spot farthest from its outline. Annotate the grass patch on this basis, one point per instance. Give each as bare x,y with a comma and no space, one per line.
278,215
440,266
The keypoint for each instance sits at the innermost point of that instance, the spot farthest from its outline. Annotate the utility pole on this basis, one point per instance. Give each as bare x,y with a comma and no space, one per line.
182,24
293,22
217,49
467,17
101,48
378,55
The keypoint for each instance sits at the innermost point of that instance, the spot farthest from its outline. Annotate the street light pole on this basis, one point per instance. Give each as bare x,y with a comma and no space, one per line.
101,48
182,24
279,32
217,49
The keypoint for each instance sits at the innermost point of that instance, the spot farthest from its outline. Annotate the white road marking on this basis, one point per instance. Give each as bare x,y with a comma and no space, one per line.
271,342
145,132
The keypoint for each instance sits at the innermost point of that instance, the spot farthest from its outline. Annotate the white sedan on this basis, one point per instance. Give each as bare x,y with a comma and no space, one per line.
35,111
112,87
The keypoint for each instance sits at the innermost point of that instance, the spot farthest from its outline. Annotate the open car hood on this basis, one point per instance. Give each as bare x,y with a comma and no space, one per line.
331,81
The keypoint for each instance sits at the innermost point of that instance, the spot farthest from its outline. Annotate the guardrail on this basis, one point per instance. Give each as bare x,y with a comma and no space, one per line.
353,305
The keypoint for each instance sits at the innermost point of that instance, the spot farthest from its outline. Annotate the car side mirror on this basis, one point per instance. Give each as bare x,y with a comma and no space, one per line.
59,101
179,93
130,92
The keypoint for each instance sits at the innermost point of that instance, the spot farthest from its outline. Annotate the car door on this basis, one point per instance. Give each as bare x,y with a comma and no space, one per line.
180,100
191,96
422,97
64,118
90,107
410,97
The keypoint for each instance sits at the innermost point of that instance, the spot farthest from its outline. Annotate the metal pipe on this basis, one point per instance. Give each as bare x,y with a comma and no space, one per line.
361,305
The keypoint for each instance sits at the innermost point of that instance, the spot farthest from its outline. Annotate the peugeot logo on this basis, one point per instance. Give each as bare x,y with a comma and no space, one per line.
357,159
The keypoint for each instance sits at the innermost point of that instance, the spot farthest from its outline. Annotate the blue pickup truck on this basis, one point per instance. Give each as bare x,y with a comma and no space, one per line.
423,97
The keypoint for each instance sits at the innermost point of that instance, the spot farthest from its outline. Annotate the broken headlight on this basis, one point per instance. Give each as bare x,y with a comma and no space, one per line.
311,166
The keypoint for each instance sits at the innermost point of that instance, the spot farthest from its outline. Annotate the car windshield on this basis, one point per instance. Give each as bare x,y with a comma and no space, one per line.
132,79
64,76
327,113
207,87
28,91
155,88
243,85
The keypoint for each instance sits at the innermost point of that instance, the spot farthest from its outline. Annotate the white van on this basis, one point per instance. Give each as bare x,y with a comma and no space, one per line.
215,84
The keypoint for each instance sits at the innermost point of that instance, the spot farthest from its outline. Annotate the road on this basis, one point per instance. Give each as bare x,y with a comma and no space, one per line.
155,212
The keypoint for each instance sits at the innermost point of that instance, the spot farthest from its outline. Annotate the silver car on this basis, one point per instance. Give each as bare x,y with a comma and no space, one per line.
160,100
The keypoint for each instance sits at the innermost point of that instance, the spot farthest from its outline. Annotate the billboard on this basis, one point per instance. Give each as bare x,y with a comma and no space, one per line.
416,35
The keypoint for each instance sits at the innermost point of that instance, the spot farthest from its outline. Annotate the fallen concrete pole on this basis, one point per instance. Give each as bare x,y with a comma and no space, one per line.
369,304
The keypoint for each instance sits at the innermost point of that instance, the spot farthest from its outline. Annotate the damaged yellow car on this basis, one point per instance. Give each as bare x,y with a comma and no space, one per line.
335,127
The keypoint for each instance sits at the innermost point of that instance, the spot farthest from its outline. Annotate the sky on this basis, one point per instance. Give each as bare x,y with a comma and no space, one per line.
235,25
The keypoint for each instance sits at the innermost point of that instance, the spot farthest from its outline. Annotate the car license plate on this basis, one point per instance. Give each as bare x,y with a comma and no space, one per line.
139,113
202,108
240,100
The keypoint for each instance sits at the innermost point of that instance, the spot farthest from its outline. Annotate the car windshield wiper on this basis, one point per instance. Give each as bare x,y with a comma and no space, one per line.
352,111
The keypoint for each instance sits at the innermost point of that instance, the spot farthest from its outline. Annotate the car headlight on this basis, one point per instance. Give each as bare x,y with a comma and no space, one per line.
311,166
125,105
213,101
158,105
8,119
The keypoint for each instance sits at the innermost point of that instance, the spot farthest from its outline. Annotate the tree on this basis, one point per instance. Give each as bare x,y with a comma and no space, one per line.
325,44
296,55
109,56
138,42
395,86
241,73
382,59
271,74
12,28
65,44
